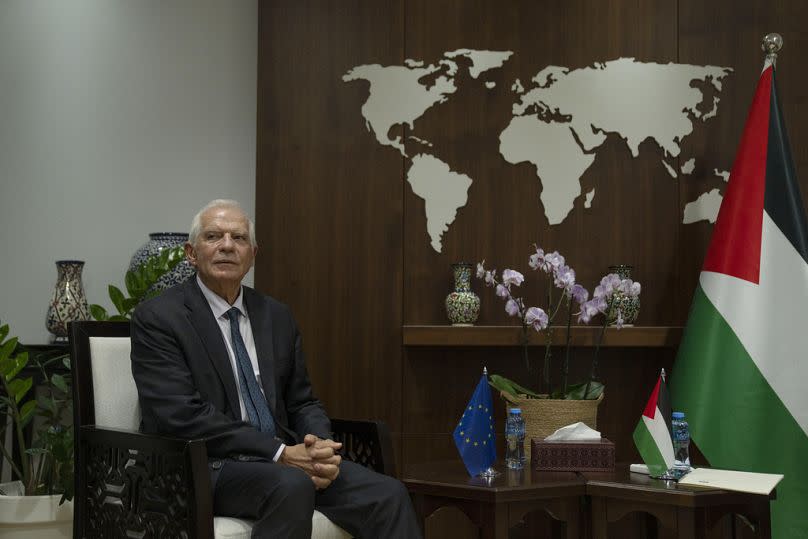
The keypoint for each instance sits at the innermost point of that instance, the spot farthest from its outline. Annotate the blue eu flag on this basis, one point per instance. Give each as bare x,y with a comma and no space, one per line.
474,435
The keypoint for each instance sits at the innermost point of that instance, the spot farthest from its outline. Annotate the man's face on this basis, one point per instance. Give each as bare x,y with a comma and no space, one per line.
222,253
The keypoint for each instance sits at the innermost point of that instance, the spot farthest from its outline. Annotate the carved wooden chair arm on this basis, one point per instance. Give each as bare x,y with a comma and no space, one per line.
367,443
135,484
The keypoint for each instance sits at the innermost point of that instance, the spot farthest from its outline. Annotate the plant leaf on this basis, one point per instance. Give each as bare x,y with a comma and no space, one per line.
129,304
3,332
98,312
117,298
27,412
19,387
8,348
10,367
576,391
511,386
119,318
59,381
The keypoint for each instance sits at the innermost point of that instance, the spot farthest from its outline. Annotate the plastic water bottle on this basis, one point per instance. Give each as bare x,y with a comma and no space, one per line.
681,442
515,439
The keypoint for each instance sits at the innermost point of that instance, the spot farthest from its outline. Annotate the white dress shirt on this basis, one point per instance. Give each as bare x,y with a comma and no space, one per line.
219,306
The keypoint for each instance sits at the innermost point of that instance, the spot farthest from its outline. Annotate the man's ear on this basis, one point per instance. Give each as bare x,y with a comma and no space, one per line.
190,254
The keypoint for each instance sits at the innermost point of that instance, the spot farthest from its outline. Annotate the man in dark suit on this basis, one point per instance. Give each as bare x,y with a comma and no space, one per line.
217,360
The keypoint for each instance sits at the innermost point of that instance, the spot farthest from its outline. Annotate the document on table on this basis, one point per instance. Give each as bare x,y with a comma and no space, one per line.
755,483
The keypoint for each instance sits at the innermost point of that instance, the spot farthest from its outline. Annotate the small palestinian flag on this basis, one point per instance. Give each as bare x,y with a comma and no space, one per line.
653,433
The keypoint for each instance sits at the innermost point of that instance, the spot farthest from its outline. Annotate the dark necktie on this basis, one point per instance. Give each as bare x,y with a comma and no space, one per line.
254,401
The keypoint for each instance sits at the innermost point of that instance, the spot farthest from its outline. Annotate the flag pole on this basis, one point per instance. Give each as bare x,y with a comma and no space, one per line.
489,473
772,43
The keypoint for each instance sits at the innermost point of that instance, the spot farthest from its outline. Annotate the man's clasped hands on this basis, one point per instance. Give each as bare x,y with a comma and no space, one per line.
315,456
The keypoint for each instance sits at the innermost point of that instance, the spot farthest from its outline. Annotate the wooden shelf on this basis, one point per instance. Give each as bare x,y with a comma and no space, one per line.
635,336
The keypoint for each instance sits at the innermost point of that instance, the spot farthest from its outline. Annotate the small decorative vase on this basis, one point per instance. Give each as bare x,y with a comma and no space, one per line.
68,301
157,242
628,306
462,305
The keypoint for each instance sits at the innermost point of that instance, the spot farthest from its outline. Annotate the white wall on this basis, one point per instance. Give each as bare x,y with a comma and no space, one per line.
117,118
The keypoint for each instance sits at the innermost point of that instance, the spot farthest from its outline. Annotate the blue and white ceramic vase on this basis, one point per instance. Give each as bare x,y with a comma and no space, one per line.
462,305
157,242
68,301
629,306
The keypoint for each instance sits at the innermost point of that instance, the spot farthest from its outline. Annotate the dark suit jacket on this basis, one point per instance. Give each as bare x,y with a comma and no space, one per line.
186,384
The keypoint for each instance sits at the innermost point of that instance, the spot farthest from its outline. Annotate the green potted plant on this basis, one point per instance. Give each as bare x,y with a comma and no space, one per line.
140,284
40,500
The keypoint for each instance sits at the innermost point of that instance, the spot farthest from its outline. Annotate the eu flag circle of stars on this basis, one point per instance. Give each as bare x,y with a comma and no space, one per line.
470,436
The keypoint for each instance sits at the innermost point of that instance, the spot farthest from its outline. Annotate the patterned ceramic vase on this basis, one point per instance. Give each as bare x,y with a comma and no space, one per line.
157,242
68,301
462,305
628,306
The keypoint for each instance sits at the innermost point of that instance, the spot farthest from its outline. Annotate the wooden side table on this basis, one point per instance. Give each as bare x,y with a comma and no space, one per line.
496,505
681,511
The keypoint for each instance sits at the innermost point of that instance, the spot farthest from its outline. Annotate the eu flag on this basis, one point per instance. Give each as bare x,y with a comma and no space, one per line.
474,435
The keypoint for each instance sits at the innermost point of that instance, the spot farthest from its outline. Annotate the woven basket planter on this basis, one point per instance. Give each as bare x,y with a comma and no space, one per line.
544,416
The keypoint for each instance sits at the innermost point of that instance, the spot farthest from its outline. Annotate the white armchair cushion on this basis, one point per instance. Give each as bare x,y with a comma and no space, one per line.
114,390
235,528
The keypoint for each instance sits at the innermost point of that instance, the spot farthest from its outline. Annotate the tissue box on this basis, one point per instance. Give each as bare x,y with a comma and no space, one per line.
572,456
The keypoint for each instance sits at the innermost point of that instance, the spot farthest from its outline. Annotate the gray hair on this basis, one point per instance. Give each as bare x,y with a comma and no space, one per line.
196,222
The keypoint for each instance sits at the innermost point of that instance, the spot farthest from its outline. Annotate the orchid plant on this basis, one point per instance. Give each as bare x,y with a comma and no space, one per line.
575,298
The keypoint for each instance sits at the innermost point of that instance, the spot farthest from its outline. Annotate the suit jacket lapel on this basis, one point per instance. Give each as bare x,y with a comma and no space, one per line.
208,330
261,322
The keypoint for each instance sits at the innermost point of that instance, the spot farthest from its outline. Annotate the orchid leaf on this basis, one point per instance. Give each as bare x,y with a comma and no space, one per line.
576,391
509,386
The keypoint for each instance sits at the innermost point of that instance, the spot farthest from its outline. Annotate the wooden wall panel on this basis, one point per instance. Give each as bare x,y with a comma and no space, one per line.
343,237
328,204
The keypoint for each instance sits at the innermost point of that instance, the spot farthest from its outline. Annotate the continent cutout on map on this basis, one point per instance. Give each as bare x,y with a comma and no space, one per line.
559,160
481,61
517,87
704,208
398,97
689,166
633,99
490,84
443,191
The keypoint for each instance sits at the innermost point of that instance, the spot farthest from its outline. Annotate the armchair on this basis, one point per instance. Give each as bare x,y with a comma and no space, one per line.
130,484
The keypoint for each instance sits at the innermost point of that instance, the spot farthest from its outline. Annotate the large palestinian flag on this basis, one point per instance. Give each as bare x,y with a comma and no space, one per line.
741,374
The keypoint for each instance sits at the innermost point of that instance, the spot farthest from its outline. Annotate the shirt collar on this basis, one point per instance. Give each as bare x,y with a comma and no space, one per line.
219,305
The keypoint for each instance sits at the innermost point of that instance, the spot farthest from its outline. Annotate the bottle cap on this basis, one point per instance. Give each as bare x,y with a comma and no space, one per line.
678,415
515,411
